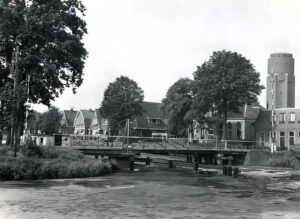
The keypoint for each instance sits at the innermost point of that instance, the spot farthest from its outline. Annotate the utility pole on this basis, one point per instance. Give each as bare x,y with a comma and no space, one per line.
127,132
273,145
15,105
26,134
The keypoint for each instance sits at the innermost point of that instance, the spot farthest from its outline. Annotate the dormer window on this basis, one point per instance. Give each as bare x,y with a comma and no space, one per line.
154,121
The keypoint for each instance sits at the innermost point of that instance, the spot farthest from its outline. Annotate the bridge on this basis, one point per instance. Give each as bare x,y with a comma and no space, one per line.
205,151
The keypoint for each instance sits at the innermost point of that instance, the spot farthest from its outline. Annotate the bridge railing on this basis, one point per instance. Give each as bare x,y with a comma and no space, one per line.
161,143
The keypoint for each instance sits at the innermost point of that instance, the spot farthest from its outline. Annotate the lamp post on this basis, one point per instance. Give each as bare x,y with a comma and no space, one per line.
26,134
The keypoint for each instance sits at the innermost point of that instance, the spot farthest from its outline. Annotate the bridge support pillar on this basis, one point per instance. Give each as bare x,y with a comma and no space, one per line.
202,159
170,164
131,163
196,166
229,170
235,172
96,156
224,170
148,161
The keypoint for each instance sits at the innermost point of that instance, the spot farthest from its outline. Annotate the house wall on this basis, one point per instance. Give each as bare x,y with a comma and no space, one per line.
264,128
43,140
79,128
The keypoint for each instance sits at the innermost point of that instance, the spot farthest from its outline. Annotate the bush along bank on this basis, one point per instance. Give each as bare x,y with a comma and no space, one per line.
284,159
35,162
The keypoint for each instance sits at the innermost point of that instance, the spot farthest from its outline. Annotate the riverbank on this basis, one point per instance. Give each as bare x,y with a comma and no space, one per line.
34,162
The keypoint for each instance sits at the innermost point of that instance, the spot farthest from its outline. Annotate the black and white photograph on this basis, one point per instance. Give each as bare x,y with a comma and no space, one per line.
149,109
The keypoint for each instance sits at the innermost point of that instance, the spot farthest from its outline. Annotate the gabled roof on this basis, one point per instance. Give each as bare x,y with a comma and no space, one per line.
246,112
97,116
69,116
88,117
151,111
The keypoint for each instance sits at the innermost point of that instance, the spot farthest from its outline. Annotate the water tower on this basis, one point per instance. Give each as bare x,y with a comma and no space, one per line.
280,81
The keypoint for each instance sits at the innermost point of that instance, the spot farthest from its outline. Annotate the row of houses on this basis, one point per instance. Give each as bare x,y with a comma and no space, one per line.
90,122
252,124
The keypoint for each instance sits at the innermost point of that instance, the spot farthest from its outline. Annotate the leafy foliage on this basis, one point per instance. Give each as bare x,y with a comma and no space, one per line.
51,162
225,82
121,101
46,36
177,106
50,121
284,159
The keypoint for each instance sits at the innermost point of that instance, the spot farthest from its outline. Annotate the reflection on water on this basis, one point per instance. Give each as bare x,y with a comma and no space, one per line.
150,193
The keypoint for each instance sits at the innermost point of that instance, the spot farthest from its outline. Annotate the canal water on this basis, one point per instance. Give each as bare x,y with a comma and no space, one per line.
152,192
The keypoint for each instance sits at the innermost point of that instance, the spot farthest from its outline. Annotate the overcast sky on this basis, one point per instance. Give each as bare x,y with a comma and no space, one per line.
156,42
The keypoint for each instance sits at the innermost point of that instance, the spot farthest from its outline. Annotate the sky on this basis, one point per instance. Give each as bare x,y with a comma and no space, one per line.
156,42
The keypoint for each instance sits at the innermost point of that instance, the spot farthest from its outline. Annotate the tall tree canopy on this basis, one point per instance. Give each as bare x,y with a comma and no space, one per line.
40,40
49,121
225,82
121,101
177,106
47,35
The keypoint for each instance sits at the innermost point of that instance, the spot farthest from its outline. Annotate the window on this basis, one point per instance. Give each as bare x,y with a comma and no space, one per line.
155,121
229,130
292,117
281,139
282,117
239,130
291,138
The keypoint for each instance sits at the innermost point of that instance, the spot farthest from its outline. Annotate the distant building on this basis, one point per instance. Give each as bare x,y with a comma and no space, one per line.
67,122
240,125
83,121
281,101
286,128
99,125
150,122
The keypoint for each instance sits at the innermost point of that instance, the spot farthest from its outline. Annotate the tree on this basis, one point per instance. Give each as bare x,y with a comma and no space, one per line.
121,101
48,35
177,106
49,121
41,39
225,82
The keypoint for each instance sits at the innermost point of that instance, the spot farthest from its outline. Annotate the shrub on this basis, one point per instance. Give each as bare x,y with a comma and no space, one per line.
4,150
284,159
29,149
26,168
6,170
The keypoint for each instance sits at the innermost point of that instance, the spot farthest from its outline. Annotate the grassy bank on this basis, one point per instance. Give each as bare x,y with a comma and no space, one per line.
34,162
